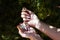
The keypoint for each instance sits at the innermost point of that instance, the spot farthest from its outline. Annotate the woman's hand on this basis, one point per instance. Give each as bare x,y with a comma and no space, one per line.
24,33
29,17
31,34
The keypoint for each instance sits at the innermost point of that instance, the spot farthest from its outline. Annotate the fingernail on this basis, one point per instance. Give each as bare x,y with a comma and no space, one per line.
28,17
22,15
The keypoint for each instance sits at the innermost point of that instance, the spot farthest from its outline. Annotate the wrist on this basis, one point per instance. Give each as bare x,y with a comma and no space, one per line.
36,37
37,25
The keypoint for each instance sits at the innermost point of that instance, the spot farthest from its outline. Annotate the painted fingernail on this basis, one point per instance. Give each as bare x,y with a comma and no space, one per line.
28,17
22,16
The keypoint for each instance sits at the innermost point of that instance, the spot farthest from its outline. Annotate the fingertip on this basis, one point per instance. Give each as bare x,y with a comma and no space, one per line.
18,27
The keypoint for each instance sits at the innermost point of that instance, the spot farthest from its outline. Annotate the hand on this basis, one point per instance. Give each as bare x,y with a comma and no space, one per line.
29,17
31,34
27,34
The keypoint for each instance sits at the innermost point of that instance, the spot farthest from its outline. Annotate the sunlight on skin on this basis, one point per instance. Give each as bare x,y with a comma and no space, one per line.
51,27
58,30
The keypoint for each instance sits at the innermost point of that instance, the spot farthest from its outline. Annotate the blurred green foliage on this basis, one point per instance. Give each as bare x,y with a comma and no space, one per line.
46,10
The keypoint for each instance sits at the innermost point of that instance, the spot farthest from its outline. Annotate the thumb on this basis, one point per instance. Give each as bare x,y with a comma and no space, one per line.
19,29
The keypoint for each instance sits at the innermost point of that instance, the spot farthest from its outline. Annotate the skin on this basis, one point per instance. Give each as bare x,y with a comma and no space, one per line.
31,34
33,21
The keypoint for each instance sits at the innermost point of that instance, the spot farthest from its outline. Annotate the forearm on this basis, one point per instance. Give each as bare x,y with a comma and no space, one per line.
48,30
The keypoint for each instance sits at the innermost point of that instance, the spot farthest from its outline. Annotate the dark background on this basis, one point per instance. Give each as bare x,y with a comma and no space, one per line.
47,11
